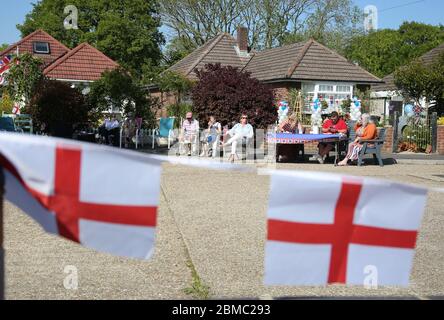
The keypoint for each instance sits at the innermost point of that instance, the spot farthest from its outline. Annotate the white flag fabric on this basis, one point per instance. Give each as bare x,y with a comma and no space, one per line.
325,228
101,197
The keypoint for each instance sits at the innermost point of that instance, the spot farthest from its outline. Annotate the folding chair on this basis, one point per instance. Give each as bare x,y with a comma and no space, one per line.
165,130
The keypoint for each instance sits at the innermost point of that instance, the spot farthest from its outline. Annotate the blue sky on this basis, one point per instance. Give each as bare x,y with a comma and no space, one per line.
391,14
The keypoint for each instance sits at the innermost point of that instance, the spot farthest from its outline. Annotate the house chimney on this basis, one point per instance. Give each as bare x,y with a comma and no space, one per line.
242,39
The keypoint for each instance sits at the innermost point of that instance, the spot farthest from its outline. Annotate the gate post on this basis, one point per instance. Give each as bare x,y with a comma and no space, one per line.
434,129
395,132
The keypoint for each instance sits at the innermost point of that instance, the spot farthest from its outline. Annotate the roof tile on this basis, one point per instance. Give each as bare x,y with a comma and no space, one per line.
83,63
57,49
306,61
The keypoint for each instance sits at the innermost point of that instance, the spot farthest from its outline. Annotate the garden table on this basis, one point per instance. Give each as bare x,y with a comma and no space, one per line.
302,139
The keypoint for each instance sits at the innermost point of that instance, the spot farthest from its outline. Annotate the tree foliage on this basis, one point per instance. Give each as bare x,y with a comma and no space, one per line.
57,108
6,103
117,88
178,110
418,80
270,22
225,92
177,49
334,23
382,52
169,81
23,77
125,30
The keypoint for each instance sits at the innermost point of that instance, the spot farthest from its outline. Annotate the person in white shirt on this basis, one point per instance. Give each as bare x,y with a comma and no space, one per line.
239,134
110,127
111,123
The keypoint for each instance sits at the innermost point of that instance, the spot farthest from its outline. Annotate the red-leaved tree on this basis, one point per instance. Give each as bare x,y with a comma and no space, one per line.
226,92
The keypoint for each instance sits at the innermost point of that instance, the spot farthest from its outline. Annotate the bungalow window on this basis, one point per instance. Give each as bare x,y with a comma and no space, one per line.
309,91
343,89
332,93
41,47
324,87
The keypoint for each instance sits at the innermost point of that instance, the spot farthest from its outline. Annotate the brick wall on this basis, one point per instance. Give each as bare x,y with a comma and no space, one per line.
310,147
282,89
440,142
280,93
387,147
165,99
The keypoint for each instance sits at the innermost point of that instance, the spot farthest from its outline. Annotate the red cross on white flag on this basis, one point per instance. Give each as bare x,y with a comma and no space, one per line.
16,108
324,228
101,197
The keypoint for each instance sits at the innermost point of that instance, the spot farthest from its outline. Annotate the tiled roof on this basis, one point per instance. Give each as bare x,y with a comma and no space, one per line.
432,55
388,85
300,61
57,49
220,49
427,58
306,61
83,63
273,63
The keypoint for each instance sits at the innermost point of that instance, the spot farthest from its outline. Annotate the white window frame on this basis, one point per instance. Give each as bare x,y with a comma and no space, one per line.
317,85
34,47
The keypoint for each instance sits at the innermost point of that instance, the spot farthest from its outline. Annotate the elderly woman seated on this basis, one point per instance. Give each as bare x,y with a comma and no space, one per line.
365,130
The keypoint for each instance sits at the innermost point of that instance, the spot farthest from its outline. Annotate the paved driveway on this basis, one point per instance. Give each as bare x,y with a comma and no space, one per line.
213,223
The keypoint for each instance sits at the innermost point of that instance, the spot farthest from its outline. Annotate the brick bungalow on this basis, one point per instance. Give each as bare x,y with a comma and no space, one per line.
310,66
79,66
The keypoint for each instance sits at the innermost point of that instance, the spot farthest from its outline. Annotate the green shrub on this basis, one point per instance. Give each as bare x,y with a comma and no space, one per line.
178,111
6,103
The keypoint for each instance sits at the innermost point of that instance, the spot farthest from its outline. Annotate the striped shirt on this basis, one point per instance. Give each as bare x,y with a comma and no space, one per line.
190,127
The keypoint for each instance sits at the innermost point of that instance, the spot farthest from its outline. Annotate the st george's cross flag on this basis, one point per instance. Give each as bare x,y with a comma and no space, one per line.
325,228
102,197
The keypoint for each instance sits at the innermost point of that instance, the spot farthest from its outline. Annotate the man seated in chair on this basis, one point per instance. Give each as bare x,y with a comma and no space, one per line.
189,133
334,125
111,127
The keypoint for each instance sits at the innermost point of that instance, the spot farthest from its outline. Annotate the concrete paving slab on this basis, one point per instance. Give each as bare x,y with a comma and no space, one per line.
218,218
222,216
35,263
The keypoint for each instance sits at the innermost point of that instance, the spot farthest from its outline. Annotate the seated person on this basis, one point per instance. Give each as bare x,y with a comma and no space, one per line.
291,125
110,127
334,125
289,152
189,133
129,130
210,143
239,134
365,130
